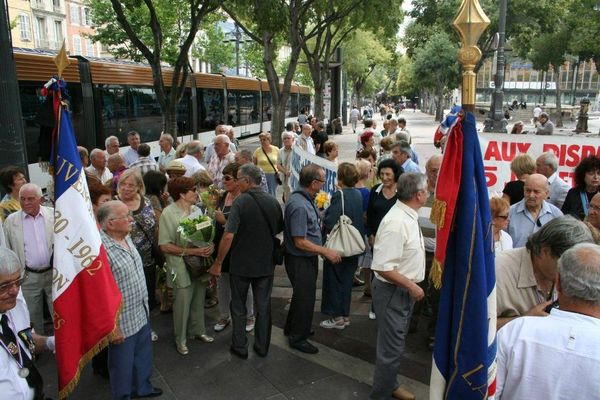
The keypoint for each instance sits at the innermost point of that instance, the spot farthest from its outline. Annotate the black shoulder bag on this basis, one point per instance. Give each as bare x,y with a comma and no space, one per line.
278,248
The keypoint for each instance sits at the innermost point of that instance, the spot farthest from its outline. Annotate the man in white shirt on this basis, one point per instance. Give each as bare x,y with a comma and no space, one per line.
98,168
536,114
167,152
354,117
557,357
111,144
210,149
191,161
399,265
547,165
17,339
305,140
133,139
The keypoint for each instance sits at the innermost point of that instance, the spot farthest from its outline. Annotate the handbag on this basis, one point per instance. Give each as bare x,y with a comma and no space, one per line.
278,248
345,238
196,266
277,178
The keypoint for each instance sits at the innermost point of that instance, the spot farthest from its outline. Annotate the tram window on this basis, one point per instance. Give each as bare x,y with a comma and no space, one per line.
267,107
144,114
38,118
113,101
233,112
294,111
304,103
211,106
184,114
248,106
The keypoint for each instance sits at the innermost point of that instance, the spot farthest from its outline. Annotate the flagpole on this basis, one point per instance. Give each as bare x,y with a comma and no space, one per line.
470,23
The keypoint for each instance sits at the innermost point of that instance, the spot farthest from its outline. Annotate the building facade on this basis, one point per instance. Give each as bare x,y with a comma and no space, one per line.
21,17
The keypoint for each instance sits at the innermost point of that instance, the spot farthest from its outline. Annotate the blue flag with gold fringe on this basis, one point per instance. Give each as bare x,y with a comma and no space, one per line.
465,339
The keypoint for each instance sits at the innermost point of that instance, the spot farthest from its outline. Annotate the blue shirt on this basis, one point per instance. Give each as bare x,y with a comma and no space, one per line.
301,220
410,166
522,224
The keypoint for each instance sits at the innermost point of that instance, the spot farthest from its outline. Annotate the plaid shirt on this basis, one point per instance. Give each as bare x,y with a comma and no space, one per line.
144,164
128,271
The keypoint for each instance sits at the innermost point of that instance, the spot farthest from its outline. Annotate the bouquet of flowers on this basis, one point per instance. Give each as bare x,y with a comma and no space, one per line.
210,198
198,230
322,200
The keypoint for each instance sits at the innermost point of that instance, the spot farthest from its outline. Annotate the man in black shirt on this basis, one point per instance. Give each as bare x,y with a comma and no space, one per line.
255,217
319,137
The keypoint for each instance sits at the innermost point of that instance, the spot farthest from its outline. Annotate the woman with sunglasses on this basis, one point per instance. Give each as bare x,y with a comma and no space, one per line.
232,191
499,208
189,294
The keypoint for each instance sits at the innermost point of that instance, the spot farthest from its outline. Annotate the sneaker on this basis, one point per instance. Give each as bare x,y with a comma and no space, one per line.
333,324
372,315
346,321
222,324
153,336
249,324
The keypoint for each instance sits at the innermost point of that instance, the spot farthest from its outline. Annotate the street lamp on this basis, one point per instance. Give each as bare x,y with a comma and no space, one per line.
496,121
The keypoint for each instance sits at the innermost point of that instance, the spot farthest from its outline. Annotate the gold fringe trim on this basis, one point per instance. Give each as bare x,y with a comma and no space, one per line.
435,274
87,357
438,213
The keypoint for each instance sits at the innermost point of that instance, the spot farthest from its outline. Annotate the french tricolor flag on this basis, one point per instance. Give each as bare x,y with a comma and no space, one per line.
85,295
464,357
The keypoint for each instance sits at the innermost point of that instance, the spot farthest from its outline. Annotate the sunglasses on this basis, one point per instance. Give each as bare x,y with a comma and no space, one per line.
228,178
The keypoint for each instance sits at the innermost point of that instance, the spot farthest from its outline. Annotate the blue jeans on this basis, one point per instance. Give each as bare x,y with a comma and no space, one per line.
271,184
130,366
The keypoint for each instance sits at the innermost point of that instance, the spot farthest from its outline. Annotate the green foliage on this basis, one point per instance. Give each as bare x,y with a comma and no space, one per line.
585,31
212,45
252,54
406,84
435,65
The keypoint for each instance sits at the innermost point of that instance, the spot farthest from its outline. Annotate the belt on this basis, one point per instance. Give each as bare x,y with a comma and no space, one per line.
38,271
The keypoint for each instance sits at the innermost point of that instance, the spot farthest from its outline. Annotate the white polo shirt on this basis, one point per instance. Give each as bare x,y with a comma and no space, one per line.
399,244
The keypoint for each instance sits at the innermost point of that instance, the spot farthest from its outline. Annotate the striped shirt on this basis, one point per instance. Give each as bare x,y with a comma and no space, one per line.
128,270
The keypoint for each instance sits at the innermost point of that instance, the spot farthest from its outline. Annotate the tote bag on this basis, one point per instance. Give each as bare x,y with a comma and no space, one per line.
345,238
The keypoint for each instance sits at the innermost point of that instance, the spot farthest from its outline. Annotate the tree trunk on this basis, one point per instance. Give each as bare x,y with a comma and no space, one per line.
170,120
439,106
278,122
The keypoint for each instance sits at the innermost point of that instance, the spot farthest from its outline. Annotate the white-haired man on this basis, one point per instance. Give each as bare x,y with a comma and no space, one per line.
167,151
99,169
29,233
111,144
547,165
220,130
222,155
191,161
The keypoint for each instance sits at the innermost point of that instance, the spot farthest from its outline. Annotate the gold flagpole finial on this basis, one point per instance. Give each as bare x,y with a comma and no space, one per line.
61,60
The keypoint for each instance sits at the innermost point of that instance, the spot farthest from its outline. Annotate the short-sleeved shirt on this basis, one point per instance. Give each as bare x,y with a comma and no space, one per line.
319,138
249,226
144,164
399,244
128,270
130,156
522,224
263,163
379,205
165,158
516,287
301,220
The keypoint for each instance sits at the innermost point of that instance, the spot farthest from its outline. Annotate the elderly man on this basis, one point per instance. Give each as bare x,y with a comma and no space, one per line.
402,153
144,163
20,379
130,352
133,139
29,233
525,276
167,151
399,265
111,144
255,217
222,155
593,218
191,161
98,169
305,141
220,130
243,157
303,244
234,141
530,214
557,357
547,165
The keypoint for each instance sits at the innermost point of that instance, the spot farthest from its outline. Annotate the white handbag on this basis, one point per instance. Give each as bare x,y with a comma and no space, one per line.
345,238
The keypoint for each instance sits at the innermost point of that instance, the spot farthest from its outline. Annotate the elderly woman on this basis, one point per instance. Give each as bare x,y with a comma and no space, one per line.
181,151
284,162
188,306
11,179
131,191
522,166
587,183
499,208
265,157
232,191
331,150
338,278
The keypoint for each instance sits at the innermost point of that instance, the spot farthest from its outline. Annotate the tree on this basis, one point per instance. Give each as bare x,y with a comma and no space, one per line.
157,31
211,45
363,53
406,82
584,31
436,66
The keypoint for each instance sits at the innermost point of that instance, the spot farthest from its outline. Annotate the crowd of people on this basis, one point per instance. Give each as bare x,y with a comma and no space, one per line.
541,227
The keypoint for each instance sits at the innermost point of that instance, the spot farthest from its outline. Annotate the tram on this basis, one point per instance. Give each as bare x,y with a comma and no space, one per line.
112,97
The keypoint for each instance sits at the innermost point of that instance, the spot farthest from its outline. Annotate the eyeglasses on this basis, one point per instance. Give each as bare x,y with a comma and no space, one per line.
126,216
594,207
5,287
505,217
228,178
320,180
